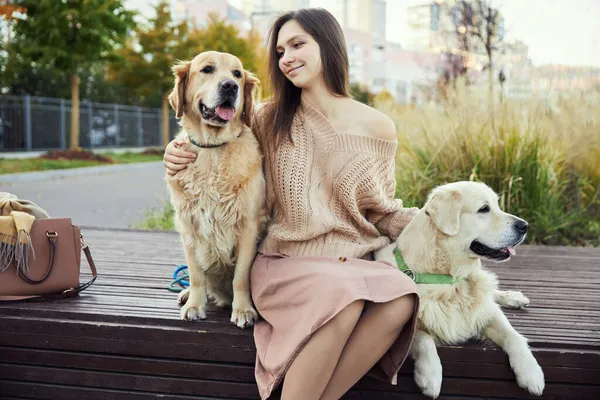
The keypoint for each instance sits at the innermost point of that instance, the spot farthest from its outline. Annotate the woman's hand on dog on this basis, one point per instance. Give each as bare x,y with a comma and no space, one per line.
175,159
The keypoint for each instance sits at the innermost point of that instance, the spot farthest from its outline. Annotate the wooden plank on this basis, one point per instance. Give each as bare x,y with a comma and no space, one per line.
184,386
576,320
40,391
170,349
549,334
244,372
53,392
124,381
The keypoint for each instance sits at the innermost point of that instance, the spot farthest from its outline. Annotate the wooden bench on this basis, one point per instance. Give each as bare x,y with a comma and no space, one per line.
122,338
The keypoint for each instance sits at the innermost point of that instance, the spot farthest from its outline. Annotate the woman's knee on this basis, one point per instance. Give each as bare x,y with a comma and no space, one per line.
405,306
397,312
345,321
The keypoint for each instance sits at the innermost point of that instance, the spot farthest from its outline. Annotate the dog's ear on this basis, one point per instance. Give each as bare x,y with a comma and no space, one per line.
181,72
444,208
250,82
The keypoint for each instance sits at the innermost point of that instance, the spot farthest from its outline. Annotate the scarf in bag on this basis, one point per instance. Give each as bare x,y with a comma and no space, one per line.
16,219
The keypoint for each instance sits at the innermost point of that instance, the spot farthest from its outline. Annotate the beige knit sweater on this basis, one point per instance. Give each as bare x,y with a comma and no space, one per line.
330,194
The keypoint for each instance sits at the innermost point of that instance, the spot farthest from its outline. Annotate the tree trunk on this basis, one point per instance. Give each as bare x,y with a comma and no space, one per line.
74,111
491,83
491,93
165,120
490,78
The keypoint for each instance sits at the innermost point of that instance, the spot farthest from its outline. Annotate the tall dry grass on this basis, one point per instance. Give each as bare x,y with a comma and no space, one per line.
541,156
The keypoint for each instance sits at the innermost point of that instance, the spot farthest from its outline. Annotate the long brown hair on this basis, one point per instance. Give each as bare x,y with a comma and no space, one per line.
286,98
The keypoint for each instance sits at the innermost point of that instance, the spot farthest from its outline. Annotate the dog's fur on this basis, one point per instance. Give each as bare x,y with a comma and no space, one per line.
460,223
219,199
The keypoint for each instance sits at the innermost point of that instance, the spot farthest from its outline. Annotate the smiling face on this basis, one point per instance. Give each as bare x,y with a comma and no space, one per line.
212,87
468,215
299,55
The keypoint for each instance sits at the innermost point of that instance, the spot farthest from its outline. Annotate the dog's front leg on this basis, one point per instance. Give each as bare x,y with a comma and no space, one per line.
194,298
526,368
243,313
511,299
428,367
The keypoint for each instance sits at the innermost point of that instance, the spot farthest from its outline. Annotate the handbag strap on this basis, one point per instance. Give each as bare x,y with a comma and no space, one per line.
70,292
52,237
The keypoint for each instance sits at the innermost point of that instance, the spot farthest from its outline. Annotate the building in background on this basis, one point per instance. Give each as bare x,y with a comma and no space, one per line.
433,27
198,12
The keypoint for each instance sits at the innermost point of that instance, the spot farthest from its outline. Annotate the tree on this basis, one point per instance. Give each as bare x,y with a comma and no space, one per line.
463,25
7,12
453,67
476,22
71,35
361,93
459,39
261,67
487,23
221,36
145,62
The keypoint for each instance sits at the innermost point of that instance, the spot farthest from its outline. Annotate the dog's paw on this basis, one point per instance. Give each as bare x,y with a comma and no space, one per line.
513,299
191,312
243,316
428,376
182,298
530,375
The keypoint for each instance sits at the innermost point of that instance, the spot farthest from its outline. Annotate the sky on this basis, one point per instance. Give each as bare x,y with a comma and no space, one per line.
557,31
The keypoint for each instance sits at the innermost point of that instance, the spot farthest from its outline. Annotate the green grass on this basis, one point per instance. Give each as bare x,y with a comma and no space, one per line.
161,218
542,160
127,158
11,166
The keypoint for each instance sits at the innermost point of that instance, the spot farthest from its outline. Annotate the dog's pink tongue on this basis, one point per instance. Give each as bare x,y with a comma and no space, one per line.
225,113
512,251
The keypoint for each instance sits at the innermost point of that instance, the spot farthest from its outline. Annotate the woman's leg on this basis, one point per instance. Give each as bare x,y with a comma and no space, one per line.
376,330
312,368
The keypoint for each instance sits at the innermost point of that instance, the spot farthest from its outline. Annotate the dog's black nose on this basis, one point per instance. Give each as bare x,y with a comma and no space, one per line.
521,226
229,87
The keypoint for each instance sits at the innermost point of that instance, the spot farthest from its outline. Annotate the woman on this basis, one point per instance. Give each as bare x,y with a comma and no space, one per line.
329,313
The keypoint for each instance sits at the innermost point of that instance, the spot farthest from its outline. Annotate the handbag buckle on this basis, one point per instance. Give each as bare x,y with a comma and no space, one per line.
84,245
70,292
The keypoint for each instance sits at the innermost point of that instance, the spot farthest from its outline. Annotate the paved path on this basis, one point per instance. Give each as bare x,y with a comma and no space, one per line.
116,196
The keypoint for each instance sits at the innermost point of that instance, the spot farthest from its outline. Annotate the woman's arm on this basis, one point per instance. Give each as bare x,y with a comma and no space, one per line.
390,216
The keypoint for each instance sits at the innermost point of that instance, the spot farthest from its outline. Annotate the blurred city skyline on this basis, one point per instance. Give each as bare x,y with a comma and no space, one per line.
555,31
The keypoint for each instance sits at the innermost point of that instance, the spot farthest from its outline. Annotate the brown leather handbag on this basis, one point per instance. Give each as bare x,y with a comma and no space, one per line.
54,268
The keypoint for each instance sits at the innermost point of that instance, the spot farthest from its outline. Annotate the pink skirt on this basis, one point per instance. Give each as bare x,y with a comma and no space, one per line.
295,296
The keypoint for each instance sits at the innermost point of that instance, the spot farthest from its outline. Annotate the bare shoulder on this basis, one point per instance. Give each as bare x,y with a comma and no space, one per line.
374,123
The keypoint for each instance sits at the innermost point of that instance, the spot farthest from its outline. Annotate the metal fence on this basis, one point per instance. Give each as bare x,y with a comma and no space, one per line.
42,123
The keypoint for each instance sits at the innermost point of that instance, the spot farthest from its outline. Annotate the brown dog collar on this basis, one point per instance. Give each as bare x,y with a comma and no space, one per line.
210,146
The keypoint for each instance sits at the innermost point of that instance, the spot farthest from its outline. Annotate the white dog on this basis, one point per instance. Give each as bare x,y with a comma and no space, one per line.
441,248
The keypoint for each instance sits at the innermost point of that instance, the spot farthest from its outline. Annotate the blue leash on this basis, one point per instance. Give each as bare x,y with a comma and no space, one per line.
181,277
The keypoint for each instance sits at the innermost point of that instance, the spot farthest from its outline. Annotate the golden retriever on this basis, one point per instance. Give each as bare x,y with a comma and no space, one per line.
461,223
219,199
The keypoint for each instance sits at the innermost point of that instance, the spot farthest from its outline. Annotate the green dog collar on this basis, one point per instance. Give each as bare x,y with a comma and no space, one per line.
418,277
